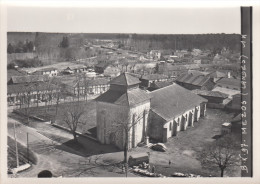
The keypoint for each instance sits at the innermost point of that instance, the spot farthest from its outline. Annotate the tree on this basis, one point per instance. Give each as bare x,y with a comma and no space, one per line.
65,42
123,124
73,116
10,48
222,154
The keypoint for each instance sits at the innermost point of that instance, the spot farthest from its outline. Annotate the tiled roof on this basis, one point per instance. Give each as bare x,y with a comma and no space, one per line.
173,100
154,77
161,84
46,69
12,72
210,93
22,88
28,79
125,79
230,82
128,98
194,79
102,65
217,74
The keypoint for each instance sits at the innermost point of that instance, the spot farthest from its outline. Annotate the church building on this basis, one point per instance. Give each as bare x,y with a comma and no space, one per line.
125,109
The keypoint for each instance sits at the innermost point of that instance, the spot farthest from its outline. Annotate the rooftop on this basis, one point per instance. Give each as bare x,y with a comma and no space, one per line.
28,79
230,81
125,79
154,77
210,93
173,100
37,86
126,98
161,84
194,79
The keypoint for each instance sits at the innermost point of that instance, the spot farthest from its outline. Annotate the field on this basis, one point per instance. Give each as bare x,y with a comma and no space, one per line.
49,113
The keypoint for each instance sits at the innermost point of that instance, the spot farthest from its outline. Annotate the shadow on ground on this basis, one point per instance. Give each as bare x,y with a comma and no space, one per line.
86,147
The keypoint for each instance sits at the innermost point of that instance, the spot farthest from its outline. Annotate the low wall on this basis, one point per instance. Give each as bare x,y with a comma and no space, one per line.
78,133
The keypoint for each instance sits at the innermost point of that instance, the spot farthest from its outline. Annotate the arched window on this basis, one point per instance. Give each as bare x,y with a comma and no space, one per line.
170,126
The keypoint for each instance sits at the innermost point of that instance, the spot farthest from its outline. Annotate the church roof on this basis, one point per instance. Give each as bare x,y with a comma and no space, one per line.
174,100
126,98
125,79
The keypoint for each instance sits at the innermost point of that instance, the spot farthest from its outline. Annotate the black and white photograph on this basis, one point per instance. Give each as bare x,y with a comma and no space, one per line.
128,92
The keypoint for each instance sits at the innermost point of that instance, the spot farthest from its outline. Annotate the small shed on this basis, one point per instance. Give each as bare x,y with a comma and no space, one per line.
138,158
226,128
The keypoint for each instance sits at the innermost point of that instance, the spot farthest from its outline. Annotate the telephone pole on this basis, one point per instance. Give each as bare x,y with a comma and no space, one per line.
16,148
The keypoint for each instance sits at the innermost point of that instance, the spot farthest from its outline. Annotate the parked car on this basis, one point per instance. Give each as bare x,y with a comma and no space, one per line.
159,147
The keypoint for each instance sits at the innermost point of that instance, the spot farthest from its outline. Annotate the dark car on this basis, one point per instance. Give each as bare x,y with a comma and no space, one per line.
159,147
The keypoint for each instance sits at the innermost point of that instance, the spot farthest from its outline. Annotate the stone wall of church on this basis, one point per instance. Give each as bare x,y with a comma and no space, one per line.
110,120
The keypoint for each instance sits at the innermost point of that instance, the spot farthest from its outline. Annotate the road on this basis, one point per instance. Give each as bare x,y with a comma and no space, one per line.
47,142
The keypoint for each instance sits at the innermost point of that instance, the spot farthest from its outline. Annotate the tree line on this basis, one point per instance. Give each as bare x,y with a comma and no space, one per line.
20,47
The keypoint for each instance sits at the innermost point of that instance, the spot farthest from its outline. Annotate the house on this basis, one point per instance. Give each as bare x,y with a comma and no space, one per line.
216,75
196,80
112,71
212,96
14,72
87,87
229,86
181,53
235,103
25,79
124,103
154,54
147,80
75,68
173,109
159,85
46,71
215,99
158,115
171,70
20,92
220,59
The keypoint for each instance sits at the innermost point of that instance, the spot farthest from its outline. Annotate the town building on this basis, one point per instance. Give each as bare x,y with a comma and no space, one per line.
47,71
173,109
111,71
77,68
235,103
196,80
158,115
216,75
25,79
212,96
228,86
147,80
215,99
159,84
171,70
86,87
21,93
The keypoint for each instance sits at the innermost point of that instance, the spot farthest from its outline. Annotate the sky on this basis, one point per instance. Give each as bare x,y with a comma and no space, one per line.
123,20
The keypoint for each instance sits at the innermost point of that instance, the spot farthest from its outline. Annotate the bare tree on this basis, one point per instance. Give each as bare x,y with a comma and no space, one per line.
223,153
73,116
124,124
28,97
